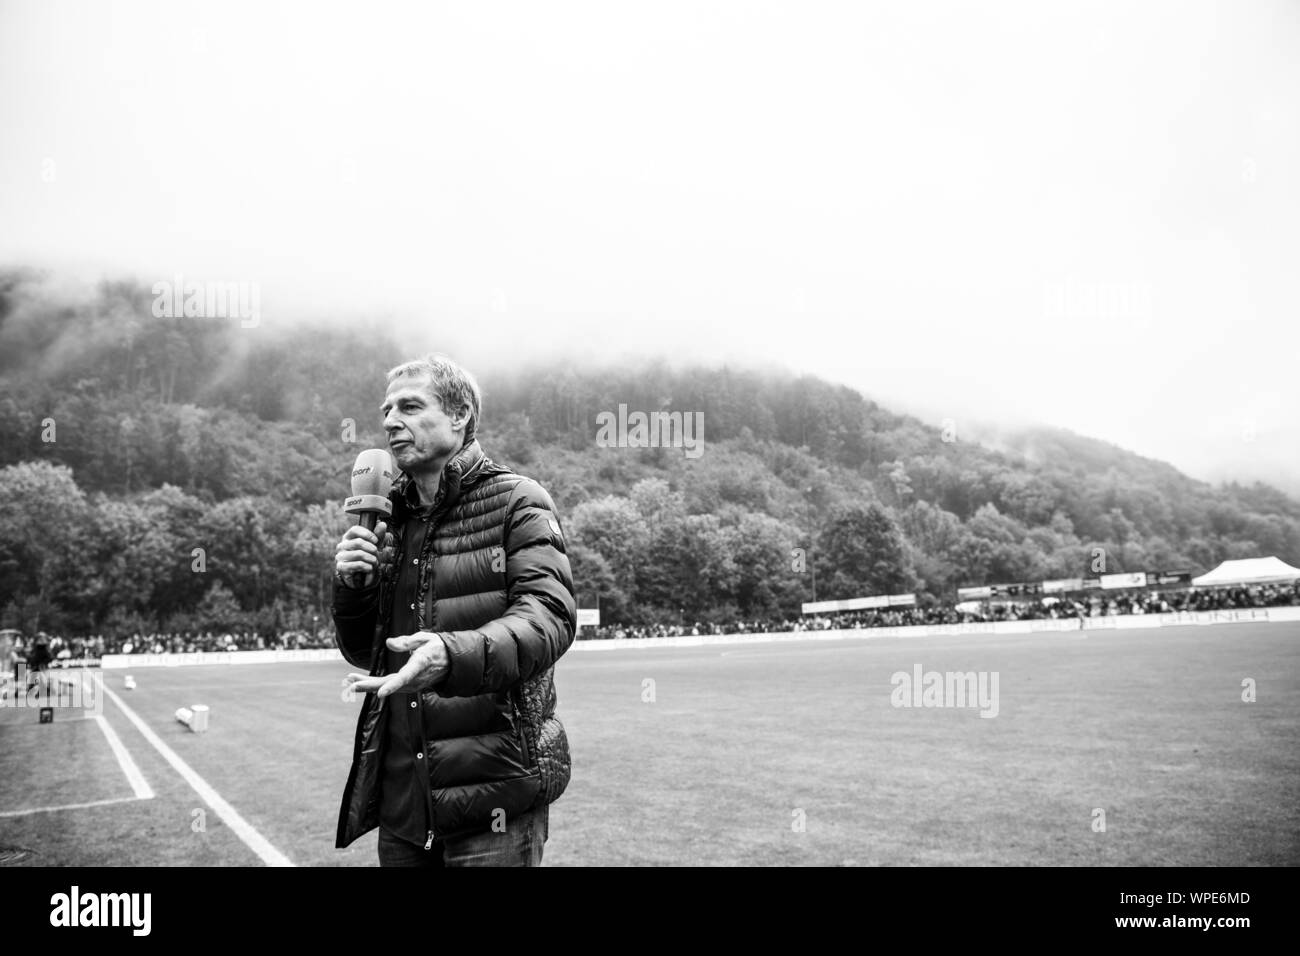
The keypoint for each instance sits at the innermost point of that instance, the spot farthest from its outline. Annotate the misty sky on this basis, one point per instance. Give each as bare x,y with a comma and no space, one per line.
1085,215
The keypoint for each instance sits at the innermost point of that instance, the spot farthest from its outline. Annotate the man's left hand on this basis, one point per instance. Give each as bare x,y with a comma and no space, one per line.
428,664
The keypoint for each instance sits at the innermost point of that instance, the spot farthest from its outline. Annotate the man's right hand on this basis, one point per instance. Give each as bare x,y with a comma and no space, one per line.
357,555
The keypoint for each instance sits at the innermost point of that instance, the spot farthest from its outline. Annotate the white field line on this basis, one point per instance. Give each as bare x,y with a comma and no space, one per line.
228,814
133,775
68,806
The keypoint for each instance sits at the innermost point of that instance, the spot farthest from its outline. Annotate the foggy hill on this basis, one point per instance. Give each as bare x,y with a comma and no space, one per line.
220,412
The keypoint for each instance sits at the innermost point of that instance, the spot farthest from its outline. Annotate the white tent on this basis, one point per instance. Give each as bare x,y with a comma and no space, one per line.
1248,571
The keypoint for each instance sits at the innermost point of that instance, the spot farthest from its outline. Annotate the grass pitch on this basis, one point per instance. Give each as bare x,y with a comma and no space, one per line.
788,753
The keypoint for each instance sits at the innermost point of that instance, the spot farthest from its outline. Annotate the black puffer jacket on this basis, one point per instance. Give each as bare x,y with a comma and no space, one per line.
496,586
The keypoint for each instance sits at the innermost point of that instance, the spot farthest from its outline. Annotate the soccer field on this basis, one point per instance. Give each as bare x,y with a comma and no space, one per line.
783,753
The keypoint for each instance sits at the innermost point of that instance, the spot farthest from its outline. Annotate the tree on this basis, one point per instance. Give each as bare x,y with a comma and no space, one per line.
767,583
595,583
314,535
42,558
613,528
864,550
219,611
997,549
246,541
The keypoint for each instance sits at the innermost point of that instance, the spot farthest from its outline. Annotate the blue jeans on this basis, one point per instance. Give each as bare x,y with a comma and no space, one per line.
520,845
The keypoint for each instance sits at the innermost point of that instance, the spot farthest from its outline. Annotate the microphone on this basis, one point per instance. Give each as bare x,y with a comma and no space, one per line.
372,479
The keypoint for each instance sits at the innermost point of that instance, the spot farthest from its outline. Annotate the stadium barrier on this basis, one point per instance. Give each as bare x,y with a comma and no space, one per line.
1264,615
67,663
1112,622
119,661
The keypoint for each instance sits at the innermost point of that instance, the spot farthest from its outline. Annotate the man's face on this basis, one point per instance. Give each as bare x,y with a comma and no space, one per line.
421,436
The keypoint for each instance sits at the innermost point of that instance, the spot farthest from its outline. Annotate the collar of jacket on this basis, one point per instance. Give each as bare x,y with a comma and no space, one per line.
457,474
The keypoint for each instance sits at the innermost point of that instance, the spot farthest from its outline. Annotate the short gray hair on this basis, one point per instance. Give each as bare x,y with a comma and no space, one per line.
453,387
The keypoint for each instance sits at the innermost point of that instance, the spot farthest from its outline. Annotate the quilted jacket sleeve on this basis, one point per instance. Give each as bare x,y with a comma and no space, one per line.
355,613
541,617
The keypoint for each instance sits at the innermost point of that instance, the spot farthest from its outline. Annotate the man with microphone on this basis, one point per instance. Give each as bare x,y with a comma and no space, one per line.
459,619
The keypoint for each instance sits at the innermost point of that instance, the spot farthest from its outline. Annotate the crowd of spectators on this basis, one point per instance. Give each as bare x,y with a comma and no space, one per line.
1076,606
93,647
1096,604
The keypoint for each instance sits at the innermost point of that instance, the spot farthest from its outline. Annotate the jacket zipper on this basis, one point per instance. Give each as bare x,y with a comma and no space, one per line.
428,787
523,732
420,625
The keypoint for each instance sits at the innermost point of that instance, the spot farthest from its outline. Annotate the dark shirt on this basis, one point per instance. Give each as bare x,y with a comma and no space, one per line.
40,659
403,804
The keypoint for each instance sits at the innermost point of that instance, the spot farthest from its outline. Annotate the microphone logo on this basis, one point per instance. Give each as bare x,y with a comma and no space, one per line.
372,480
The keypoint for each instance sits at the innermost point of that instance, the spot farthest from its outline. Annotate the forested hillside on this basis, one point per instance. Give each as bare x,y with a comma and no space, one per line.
188,473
